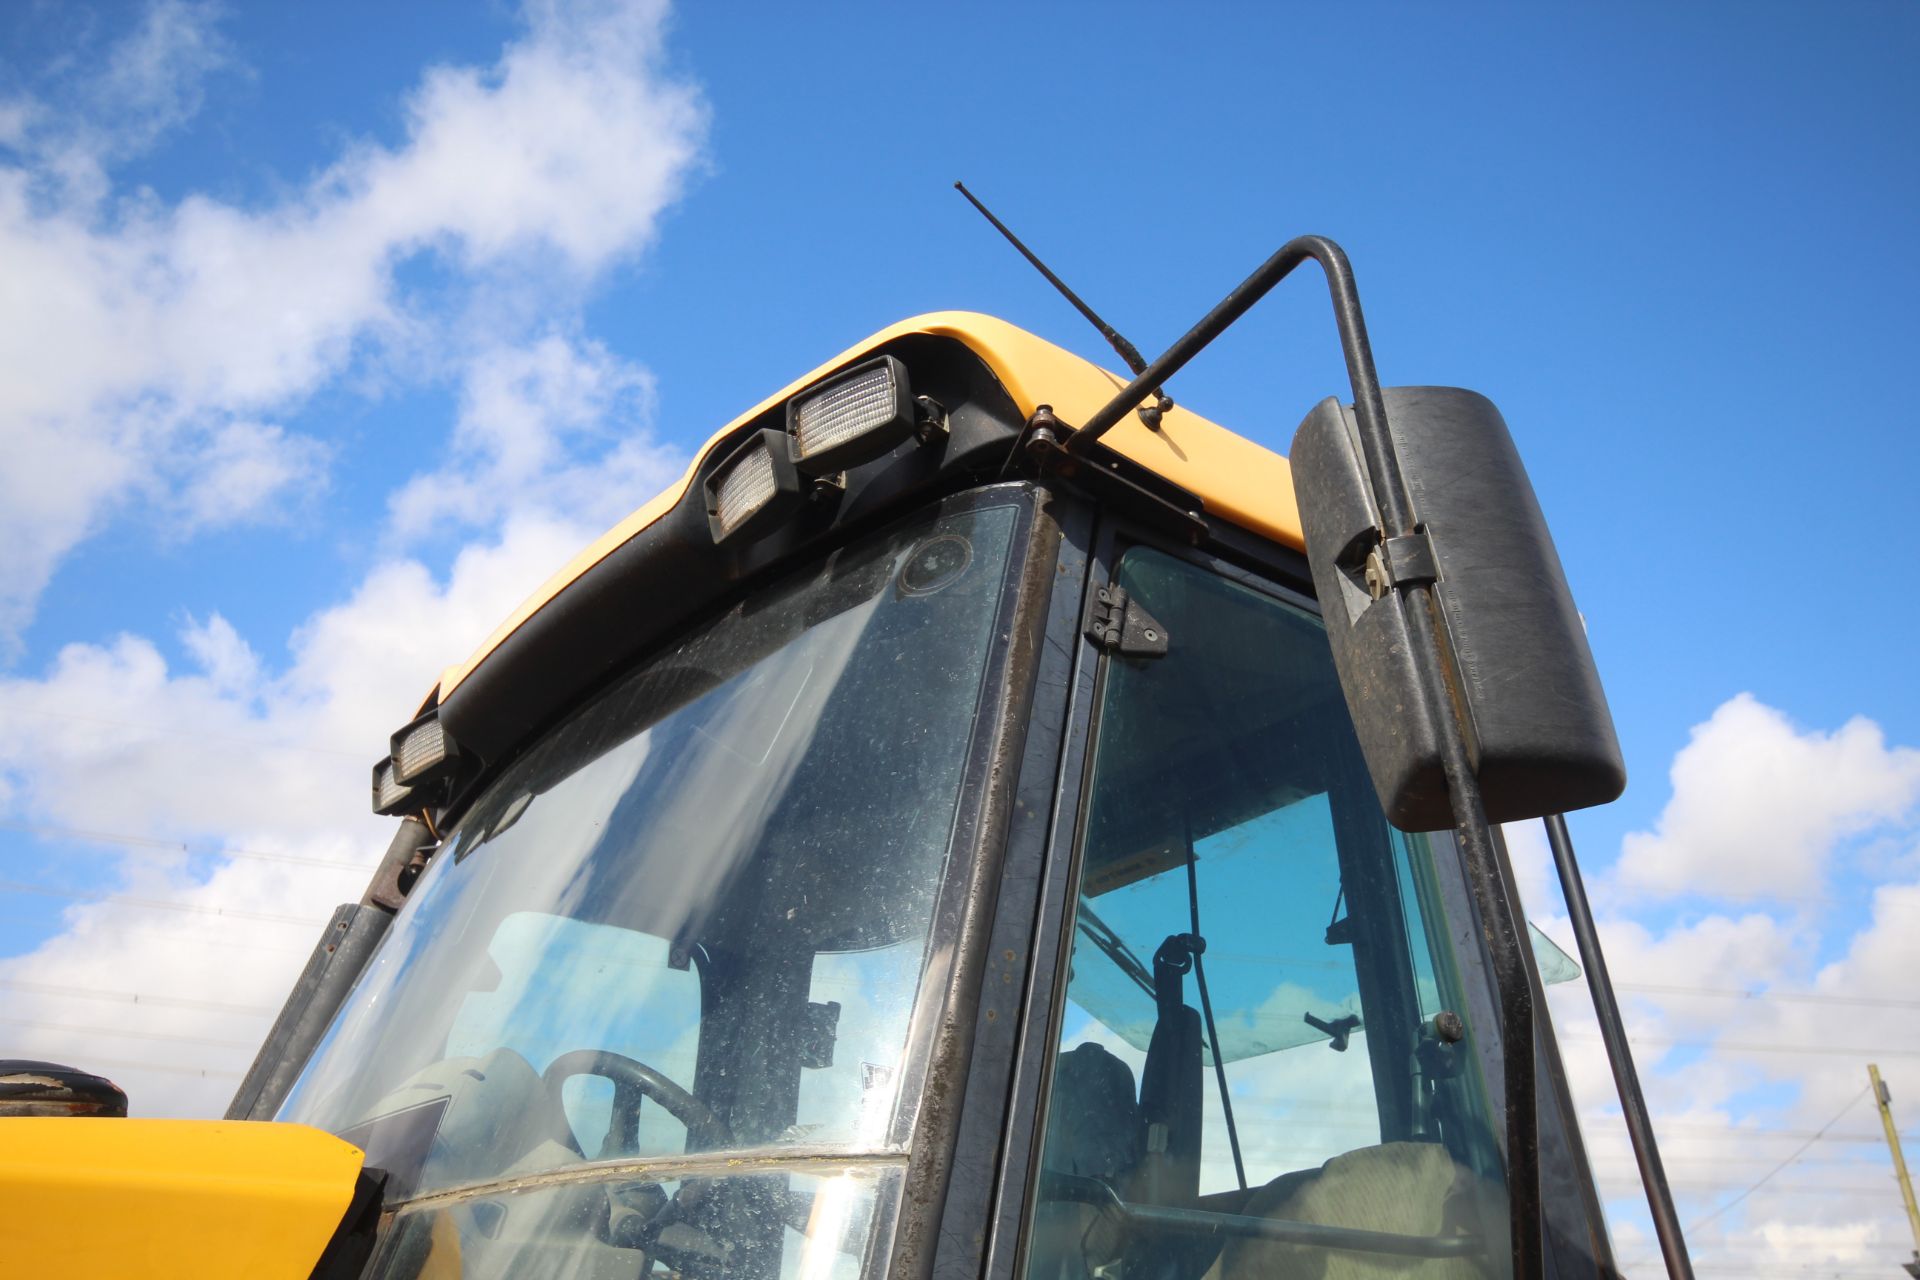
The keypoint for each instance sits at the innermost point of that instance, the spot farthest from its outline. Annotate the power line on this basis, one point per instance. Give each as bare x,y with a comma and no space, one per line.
1788,997
143,1064
1725,1131
1819,1133
230,739
132,1035
133,997
1763,1249
252,946
1745,1046
1629,1182
1626,1158
160,904
78,834
1776,1265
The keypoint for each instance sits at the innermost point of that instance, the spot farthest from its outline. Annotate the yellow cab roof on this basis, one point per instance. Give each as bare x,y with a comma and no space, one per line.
1237,480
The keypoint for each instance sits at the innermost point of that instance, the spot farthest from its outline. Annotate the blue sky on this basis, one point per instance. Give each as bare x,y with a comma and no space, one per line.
326,333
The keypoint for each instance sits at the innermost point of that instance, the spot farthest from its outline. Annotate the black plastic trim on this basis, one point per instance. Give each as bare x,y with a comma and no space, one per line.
942,1073
1006,1243
670,574
1005,979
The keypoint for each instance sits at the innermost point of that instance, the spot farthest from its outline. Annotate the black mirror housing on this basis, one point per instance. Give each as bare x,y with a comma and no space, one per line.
31,1088
1539,734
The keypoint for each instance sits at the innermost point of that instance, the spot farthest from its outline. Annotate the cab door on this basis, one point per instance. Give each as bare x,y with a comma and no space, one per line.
1259,1057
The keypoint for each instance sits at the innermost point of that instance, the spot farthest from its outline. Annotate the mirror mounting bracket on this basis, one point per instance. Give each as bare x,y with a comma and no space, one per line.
1403,561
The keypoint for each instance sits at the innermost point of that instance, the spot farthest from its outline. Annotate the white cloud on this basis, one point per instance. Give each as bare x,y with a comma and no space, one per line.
247,471
1742,1033
153,80
132,330
1759,806
232,758
166,346
1730,1096
130,95
555,426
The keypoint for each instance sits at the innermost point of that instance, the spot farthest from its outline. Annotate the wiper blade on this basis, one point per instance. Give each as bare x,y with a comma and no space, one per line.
1114,948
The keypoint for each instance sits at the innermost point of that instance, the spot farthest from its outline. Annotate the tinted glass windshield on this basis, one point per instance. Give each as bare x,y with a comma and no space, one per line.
695,916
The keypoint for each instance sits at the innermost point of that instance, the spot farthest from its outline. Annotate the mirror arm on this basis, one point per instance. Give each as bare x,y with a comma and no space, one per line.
1484,857
1369,406
1633,1103
1512,958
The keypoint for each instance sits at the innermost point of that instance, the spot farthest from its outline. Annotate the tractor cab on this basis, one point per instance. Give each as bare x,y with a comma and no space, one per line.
978,826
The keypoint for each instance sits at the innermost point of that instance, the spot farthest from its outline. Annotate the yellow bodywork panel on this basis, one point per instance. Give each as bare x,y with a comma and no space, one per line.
100,1199
1235,479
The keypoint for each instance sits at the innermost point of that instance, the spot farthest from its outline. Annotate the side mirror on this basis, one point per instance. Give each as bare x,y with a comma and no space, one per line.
29,1088
1538,731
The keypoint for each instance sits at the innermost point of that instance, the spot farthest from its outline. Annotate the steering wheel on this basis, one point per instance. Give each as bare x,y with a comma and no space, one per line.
633,1081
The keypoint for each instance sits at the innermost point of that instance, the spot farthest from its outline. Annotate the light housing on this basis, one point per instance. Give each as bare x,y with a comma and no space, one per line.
851,418
754,488
390,798
423,752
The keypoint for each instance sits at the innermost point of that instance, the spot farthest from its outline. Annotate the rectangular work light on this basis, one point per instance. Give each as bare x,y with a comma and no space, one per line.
389,797
421,751
852,418
753,488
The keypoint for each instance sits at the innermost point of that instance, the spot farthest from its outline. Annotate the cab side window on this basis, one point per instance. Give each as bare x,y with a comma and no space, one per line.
1246,918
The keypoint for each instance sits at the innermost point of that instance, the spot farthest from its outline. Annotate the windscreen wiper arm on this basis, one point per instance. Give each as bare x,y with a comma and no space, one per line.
1114,948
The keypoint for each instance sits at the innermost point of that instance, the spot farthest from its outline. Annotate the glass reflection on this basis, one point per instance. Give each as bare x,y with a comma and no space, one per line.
694,917
769,1226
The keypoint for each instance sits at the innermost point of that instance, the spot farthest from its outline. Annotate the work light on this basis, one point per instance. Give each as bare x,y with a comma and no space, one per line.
420,750
389,797
753,488
853,418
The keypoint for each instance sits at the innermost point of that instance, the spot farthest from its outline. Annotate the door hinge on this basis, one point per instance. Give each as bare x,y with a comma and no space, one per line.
1119,625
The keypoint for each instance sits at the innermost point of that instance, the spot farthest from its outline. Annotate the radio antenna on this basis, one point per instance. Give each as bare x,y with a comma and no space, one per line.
1149,414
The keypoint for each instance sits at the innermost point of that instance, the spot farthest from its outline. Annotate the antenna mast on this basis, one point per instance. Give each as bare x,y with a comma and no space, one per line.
1149,414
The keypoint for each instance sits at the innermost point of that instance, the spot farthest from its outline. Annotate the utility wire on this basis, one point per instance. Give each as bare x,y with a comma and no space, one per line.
132,997
144,1064
1611,1157
1819,1133
80,834
1743,1046
132,1035
248,944
1628,1181
229,739
1778,1267
1790,997
159,904
1722,1131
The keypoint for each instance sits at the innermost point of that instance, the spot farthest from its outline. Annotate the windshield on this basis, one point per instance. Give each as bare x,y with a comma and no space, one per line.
692,919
